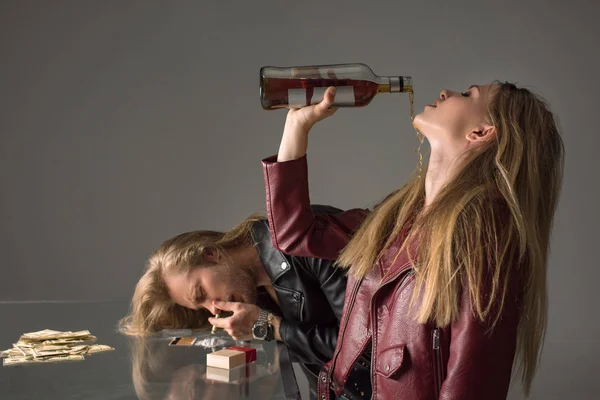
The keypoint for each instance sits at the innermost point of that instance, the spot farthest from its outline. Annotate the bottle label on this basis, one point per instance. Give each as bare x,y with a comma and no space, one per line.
297,98
344,96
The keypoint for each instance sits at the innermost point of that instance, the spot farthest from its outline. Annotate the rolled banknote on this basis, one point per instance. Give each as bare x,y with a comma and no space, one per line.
214,328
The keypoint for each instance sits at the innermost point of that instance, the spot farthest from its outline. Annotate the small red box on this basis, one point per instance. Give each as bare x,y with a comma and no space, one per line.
250,352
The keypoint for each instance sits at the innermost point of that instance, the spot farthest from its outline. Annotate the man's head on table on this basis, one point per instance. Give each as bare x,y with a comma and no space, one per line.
190,276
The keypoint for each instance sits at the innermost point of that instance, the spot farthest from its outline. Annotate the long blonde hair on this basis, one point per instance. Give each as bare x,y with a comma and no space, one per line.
151,307
491,222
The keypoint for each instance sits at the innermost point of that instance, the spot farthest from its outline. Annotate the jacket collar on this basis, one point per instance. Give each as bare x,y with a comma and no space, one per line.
276,265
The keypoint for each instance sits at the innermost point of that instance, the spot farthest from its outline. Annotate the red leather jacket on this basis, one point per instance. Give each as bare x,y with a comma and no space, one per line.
409,360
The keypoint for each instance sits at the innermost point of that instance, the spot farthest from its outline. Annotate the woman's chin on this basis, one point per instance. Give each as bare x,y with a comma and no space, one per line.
416,124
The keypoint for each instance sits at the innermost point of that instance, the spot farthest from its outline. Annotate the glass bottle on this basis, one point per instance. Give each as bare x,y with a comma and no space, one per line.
296,87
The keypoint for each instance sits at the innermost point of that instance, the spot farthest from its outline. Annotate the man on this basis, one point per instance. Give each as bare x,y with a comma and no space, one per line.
269,295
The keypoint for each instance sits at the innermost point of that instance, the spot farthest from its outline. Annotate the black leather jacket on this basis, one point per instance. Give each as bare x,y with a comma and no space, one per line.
310,293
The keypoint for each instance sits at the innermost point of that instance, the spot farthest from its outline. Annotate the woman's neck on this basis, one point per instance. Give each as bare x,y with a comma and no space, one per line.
441,169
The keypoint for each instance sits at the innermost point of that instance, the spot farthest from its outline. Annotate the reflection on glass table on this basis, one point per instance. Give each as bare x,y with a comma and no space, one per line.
139,368
160,371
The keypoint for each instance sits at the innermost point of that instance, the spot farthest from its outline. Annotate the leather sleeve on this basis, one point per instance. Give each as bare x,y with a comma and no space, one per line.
295,230
480,362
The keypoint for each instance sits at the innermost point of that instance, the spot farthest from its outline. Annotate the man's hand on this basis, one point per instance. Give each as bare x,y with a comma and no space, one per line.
239,325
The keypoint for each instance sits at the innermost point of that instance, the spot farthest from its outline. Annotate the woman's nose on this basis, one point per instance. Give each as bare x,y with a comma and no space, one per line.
444,94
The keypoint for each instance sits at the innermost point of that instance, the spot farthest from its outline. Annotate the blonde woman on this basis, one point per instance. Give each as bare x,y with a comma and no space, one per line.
447,275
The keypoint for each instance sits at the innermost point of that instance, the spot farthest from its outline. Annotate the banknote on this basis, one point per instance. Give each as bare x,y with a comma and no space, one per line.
52,346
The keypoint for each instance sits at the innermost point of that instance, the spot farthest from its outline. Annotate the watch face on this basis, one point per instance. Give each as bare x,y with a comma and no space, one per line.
259,331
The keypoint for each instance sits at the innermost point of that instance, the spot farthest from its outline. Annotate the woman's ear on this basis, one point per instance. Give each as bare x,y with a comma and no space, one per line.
482,134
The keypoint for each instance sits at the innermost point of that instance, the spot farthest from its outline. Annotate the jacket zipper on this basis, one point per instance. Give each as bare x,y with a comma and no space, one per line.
438,370
346,319
301,307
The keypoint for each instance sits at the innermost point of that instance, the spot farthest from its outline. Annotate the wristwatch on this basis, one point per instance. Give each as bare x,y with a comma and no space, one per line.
262,330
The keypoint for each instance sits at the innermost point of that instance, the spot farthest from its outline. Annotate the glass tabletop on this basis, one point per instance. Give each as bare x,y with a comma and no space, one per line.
146,368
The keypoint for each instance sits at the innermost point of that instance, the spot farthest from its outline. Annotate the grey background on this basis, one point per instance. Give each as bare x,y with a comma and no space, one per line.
123,123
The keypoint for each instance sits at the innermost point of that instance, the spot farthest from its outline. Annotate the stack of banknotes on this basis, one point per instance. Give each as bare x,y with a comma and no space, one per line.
52,346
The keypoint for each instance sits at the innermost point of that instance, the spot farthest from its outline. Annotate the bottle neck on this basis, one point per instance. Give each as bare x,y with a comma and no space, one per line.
391,84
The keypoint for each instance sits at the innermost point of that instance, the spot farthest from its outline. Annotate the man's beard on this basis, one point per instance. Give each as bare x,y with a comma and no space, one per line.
241,286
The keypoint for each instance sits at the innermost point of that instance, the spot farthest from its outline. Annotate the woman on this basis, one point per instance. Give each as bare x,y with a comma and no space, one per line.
447,279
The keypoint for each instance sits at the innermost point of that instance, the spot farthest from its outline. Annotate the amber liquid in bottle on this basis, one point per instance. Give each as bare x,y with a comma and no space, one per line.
350,92
356,90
